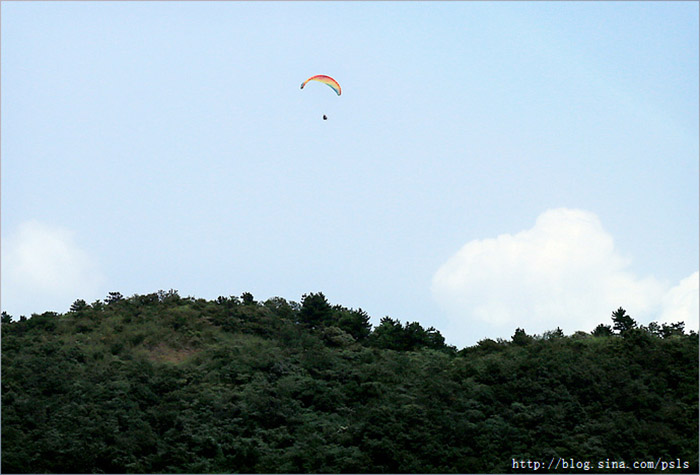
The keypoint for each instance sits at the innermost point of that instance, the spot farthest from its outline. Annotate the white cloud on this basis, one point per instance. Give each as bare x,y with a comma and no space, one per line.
565,271
680,304
43,268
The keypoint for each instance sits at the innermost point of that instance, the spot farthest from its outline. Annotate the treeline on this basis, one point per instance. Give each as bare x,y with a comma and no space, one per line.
160,383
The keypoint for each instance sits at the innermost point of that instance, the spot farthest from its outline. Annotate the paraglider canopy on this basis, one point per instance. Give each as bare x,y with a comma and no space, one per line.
327,80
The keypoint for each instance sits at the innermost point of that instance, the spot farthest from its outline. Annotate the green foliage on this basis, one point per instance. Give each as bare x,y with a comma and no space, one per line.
391,335
552,334
673,329
315,310
354,322
161,383
247,298
521,338
603,330
114,297
78,306
622,323
6,317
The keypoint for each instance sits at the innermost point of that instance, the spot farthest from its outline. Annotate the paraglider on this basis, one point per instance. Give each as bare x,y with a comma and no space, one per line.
328,81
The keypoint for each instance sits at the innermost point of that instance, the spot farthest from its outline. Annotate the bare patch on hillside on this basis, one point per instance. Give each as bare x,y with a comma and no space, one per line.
166,354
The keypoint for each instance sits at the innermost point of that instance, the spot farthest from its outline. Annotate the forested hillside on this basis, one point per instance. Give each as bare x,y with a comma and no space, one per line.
162,383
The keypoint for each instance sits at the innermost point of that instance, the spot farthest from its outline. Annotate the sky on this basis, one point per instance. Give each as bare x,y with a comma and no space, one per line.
488,166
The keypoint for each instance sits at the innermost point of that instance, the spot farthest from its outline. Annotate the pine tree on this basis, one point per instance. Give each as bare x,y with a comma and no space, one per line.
622,323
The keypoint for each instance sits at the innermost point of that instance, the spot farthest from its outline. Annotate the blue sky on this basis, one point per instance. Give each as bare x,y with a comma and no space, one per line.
485,166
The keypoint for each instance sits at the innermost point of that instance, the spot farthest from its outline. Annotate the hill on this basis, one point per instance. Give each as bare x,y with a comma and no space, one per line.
160,383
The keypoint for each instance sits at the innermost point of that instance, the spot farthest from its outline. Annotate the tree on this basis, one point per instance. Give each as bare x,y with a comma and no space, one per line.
388,334
435,340
521,338
553,334
654,329
414,336
282,308
354,322
114,297
672,329
78,305
315,310
488,345
602,330
247,298
622,323
169,296
391,335
6,317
